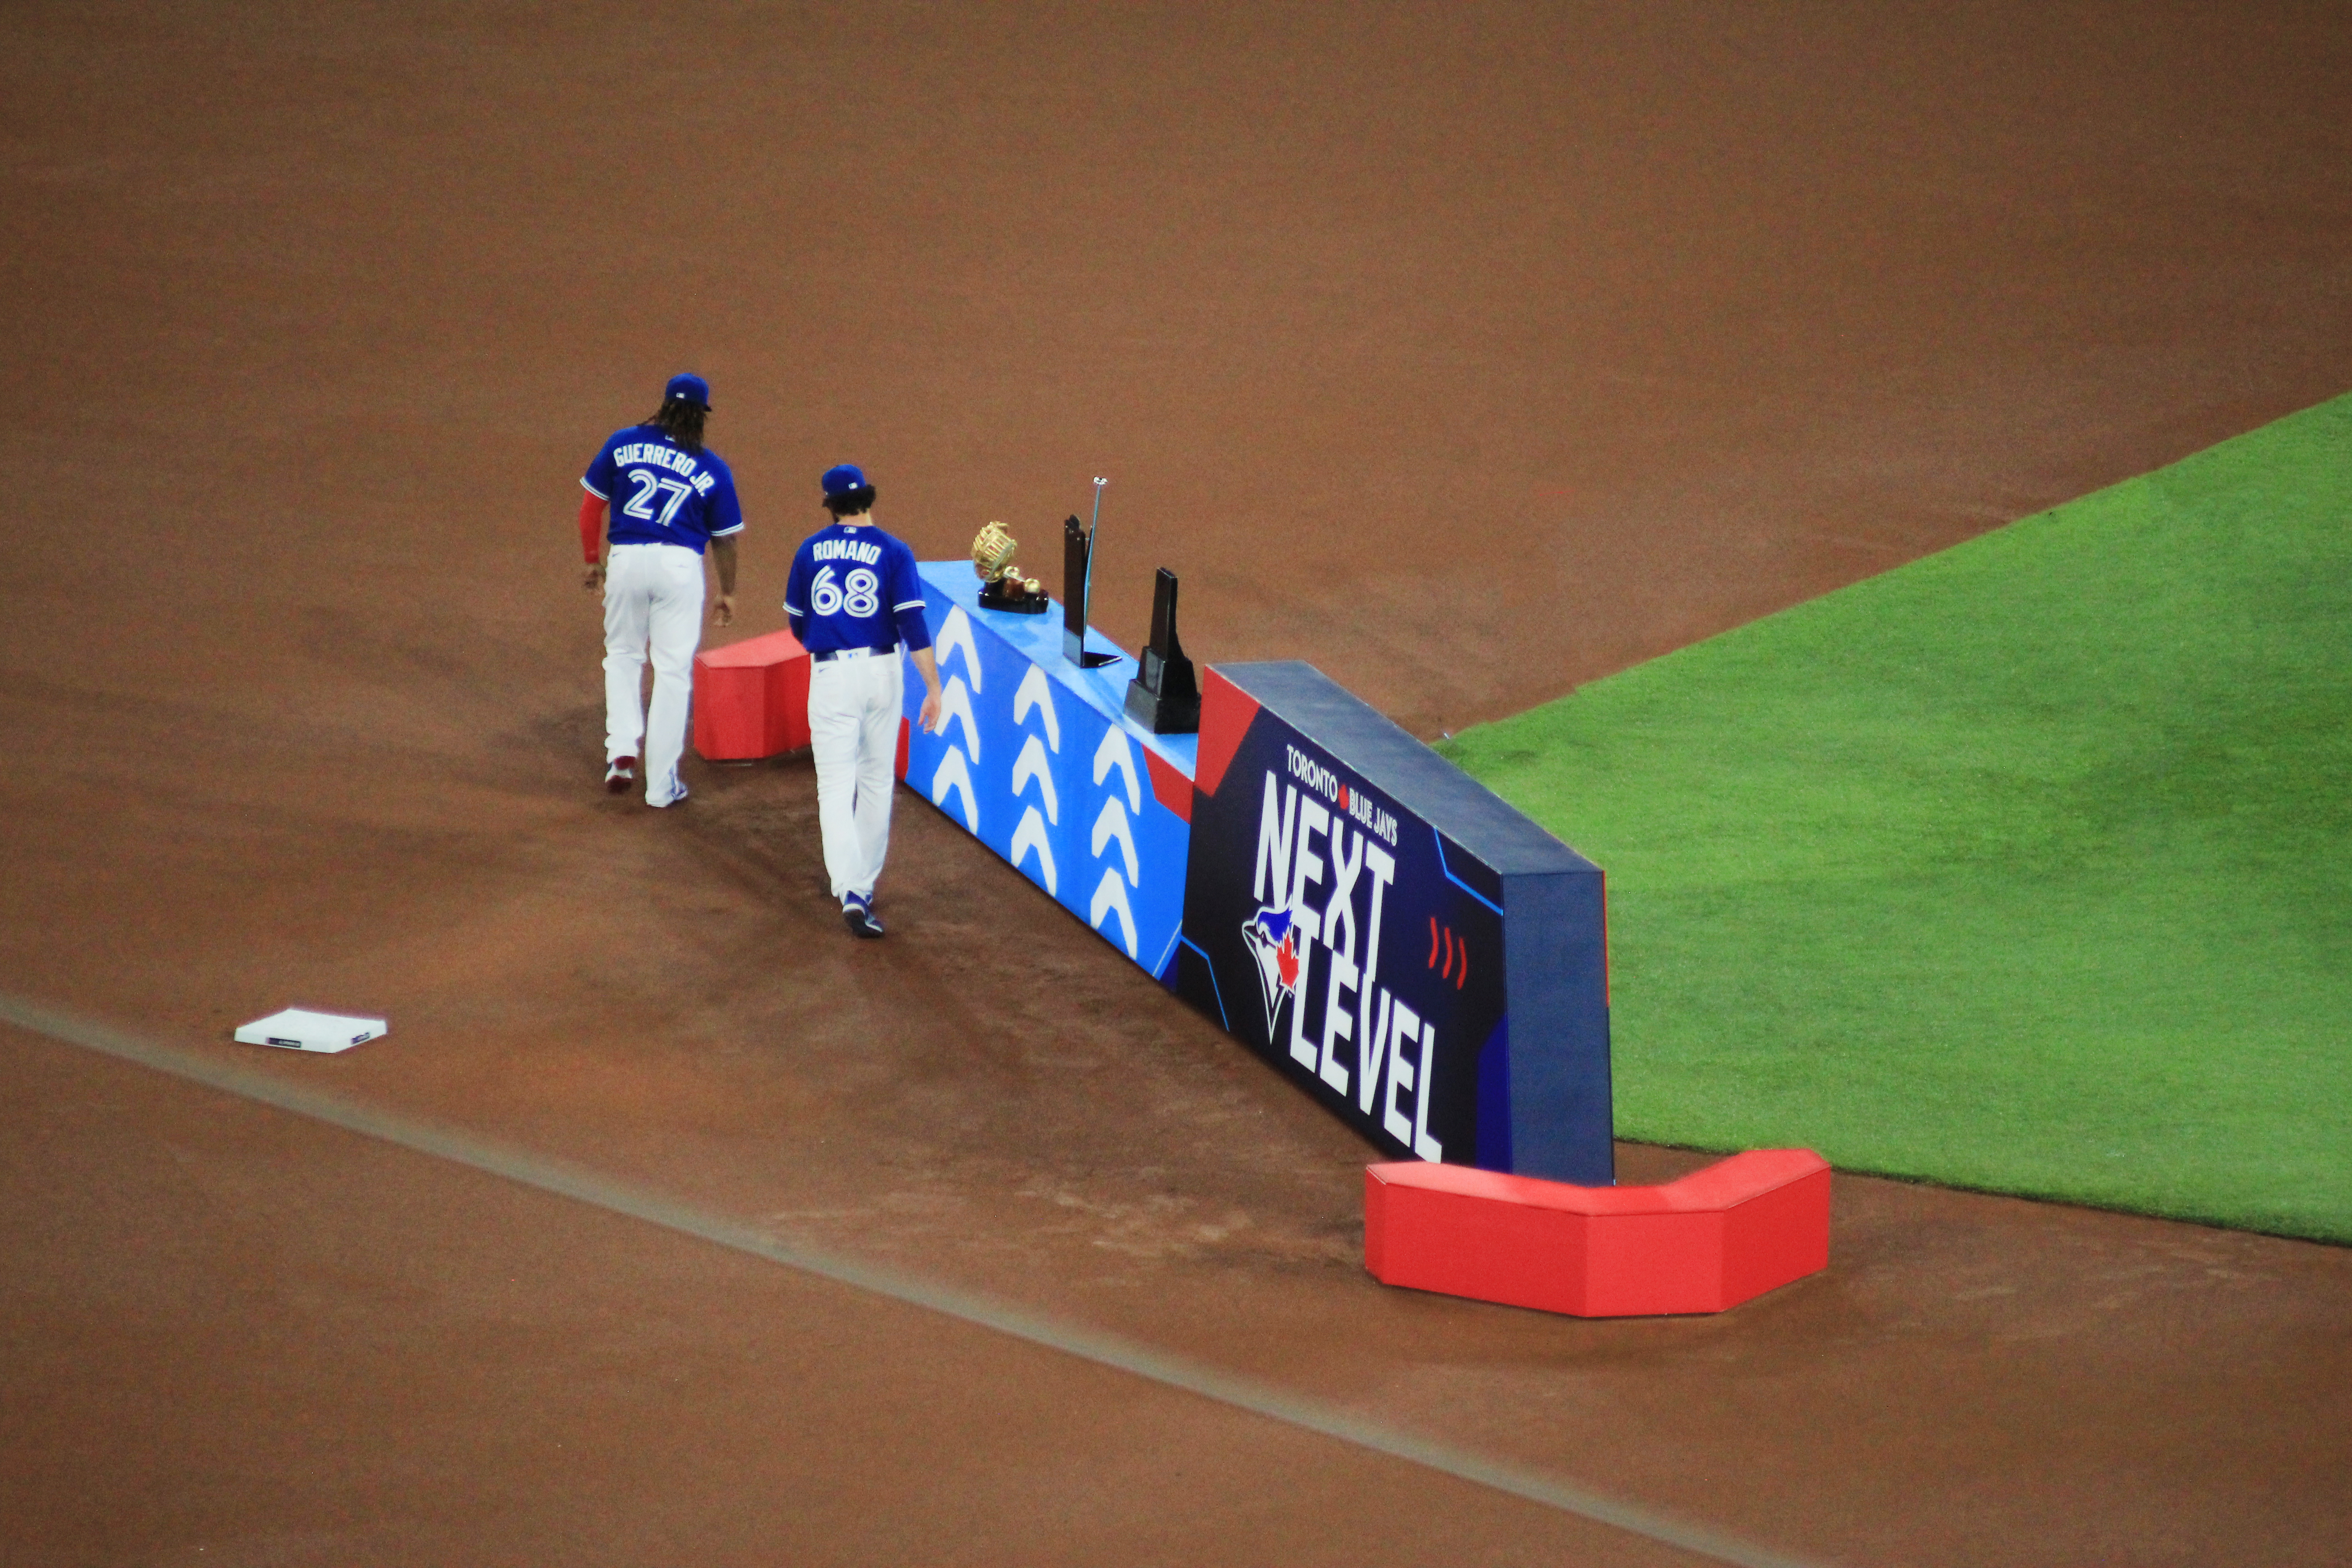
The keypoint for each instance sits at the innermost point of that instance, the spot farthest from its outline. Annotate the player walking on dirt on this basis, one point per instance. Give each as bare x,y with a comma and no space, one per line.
854,600
677,498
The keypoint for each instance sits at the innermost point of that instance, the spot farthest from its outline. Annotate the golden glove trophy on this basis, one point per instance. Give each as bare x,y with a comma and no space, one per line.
1005,589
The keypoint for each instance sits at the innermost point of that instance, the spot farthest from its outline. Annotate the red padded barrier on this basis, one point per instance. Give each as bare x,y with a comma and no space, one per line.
750,699
1712,1239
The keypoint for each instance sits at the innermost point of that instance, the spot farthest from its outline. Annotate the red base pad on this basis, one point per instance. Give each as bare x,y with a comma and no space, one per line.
750,699
1712,1239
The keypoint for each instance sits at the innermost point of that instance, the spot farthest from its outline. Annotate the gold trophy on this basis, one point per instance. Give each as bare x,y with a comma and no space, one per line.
1004,587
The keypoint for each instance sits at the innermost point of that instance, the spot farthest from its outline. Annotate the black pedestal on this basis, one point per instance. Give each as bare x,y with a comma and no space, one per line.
1165,696
1077,555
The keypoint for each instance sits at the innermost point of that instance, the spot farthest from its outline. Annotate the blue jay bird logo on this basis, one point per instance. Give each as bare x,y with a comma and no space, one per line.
1272,936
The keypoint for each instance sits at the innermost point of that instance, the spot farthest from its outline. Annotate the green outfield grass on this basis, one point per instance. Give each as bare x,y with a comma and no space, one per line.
2027,866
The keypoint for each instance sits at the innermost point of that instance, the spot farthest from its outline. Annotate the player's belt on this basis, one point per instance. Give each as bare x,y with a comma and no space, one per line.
829,655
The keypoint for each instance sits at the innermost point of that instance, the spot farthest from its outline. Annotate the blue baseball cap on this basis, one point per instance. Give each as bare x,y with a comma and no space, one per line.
843,478
689,388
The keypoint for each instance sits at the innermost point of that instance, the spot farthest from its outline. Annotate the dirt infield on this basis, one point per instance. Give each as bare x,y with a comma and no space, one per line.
1469,354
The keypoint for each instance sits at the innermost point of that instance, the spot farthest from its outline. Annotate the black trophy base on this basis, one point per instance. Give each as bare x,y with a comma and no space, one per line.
1019,601
1165,695
1162,715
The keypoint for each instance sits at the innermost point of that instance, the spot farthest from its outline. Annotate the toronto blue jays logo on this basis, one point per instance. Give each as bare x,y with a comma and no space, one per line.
1272,936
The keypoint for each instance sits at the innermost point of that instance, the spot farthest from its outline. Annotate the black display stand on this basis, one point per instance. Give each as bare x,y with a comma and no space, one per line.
1005,593
1077,560
1165,695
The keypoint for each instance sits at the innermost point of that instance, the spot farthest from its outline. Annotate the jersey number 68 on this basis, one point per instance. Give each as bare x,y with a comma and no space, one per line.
860,592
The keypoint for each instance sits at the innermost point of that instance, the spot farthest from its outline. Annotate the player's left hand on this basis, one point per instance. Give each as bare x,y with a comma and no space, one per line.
930,717
723,612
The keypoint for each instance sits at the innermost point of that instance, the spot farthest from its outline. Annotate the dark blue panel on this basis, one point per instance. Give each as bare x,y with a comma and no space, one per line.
1333,940
1560,1091
1442,1005
1494,1099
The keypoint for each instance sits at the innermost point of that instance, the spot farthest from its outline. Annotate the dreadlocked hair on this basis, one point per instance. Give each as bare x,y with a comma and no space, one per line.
680,421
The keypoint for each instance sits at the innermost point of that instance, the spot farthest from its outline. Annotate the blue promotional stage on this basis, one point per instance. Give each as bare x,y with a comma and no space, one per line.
1414,953
1039,760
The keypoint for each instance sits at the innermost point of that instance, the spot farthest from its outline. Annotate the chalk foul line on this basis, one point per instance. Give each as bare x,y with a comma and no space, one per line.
583,1185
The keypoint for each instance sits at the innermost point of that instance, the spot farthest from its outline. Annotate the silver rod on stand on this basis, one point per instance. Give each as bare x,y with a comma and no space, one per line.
1094,537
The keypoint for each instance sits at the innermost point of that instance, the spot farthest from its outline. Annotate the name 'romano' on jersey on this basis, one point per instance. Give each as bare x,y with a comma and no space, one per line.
854,586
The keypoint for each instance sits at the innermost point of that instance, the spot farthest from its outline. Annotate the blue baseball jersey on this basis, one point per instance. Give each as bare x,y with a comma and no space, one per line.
661,492
854,587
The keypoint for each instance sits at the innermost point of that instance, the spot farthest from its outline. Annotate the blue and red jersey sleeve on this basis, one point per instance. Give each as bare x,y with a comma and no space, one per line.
602,475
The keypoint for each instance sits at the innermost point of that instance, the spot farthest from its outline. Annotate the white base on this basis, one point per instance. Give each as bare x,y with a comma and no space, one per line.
298,1029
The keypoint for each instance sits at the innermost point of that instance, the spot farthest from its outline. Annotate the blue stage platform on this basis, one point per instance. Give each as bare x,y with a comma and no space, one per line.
1415,954
1039,760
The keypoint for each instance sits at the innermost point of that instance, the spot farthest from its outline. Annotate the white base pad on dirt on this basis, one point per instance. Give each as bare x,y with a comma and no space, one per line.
297,1028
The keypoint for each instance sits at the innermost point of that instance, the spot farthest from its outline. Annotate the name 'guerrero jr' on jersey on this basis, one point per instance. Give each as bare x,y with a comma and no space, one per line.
661,492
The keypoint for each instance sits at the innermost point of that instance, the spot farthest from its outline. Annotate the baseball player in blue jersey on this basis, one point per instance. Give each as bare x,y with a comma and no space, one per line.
854,600
675,499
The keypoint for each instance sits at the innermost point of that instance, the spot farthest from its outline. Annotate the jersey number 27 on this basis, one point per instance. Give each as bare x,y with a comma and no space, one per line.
649,486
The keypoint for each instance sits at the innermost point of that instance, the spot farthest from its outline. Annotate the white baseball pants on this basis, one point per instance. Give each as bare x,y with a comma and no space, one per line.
653,599
854,713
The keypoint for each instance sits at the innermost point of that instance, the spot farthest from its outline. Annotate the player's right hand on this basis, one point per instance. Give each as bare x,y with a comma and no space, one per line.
594,578
930,717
